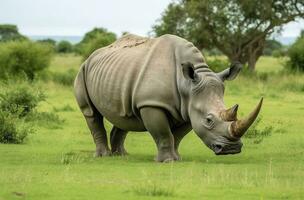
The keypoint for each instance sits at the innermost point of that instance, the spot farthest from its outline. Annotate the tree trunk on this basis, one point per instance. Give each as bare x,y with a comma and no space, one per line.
252,60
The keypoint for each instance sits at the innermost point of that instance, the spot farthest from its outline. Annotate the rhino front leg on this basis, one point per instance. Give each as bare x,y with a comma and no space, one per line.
117,138
178,134
156,122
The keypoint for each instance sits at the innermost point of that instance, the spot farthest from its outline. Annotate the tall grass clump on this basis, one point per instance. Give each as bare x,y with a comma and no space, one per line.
23,57
256,133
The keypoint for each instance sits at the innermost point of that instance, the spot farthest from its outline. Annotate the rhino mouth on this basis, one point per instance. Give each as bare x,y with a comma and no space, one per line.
225,149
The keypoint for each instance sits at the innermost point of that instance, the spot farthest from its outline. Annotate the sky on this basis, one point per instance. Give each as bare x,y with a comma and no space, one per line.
76,17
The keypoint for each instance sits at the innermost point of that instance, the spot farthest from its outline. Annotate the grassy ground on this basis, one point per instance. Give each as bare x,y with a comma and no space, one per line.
57,162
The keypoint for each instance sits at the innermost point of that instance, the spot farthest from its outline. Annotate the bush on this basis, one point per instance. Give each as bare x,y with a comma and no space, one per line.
64,47
12,129
20,100
66,78
94,39
101,40
23,57
296,56
218,65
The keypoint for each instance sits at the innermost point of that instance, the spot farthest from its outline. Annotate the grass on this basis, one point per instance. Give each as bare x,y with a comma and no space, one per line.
58,163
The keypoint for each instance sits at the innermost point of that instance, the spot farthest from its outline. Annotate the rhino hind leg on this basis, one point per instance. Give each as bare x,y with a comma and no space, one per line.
156,122
93,118
117,139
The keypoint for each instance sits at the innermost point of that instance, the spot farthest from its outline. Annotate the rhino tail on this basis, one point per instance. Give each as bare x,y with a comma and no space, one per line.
81,93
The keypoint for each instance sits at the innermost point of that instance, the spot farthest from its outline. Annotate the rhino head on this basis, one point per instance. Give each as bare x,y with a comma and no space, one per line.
218,127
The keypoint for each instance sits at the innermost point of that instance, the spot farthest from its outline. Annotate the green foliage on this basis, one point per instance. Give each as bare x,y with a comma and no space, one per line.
217,65
12,129
239,29
101,40
271,46
64,47
10,32
23,57
17,101
296,56
20,100
48,41
66,78
97,38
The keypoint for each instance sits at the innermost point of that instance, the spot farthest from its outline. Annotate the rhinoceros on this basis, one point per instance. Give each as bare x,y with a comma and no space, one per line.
161,85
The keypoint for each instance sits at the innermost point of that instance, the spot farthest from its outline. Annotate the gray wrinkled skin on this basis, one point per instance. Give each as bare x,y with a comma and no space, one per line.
161,85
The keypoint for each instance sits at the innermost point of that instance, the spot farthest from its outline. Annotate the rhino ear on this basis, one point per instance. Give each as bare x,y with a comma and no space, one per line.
189,71
230,73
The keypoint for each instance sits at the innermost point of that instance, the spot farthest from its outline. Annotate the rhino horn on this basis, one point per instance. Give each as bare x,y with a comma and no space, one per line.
230,114
239,127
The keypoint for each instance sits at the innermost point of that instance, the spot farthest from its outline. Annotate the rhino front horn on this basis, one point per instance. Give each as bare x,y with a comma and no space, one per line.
239,127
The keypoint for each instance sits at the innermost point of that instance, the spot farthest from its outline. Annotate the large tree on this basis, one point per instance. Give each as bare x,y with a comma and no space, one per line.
96,38
9,32
238,28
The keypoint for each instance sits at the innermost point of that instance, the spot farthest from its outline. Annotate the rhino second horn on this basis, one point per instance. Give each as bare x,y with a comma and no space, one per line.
239,127
230,114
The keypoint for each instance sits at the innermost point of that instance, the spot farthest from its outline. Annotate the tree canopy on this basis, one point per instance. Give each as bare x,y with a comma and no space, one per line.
94,39
9,32
238,28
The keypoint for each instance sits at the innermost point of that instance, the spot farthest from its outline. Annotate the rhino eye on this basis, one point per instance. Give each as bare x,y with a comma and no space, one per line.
209,123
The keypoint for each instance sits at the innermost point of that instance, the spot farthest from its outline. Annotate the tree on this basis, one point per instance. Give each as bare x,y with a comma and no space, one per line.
10,32
271,46
296,56
49,41
82,46
238,28
101,40
64,47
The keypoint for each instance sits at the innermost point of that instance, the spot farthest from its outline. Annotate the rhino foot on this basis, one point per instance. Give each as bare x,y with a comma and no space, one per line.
102,152
120,152
166,157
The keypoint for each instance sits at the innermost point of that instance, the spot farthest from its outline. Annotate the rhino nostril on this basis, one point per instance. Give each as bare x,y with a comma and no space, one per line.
217,148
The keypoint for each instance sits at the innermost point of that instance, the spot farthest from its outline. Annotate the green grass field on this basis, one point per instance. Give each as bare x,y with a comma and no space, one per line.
57,161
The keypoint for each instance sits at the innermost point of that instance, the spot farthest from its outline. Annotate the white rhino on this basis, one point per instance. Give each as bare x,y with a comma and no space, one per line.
160,85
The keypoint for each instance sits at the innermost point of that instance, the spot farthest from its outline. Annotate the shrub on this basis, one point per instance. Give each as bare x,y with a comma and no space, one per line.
218,65
94,39
12,129
64,47
101,40
23,57
296,56
20,100
9,32
66,78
